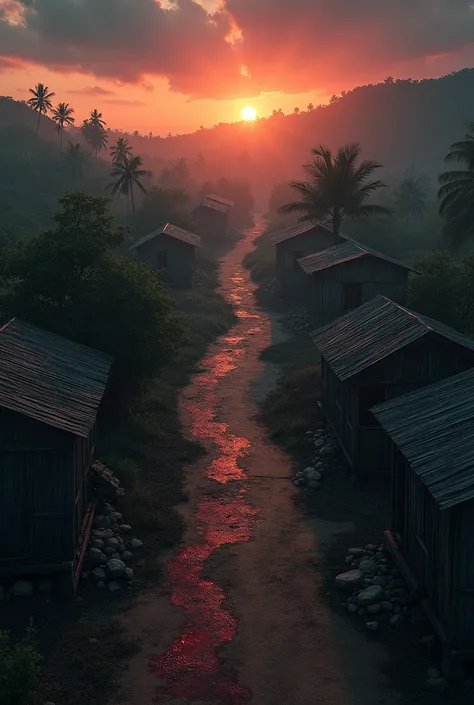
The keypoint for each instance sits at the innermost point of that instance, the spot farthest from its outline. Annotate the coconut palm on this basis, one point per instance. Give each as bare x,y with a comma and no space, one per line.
337,188
40,101
456,193
96,119
126,175
410,198
63,116
121,151
95,135
76,157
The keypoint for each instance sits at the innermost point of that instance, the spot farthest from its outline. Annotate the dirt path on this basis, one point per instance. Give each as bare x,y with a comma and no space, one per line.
241,618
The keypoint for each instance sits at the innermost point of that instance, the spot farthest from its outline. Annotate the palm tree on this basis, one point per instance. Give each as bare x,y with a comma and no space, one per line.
121,151
62,115
96,119
126,176
40,101
456,193
95,135
410,198
76,158
337,188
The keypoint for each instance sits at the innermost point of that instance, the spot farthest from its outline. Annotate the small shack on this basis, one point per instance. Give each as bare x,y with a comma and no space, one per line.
50,392
432,527
211,217
295,243
377,352
346,276
171,251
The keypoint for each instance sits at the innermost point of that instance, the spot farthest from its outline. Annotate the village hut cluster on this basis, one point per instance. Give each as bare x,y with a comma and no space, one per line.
57,520
396,393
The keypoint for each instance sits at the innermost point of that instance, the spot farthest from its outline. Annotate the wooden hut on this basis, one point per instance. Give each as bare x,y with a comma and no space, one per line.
432,526
377,352
346,276
211,217
295,243
171,251
50,392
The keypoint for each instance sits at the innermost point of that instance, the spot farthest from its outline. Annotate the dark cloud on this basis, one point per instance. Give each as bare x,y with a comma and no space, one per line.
93,90
284,45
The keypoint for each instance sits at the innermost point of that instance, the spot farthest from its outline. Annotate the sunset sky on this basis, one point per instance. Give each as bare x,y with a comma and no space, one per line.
174,65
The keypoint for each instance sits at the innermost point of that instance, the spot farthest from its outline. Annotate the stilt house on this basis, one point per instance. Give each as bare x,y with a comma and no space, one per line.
377,352
432,527
50,393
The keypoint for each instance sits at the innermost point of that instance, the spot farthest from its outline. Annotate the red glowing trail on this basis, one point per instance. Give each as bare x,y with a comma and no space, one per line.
190,669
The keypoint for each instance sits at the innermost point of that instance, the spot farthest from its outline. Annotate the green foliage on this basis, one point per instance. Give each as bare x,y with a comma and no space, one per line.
445,289
125,469
280,194
261,261
160,206
337,188
68,280
237,190
457,192
410,198
19,669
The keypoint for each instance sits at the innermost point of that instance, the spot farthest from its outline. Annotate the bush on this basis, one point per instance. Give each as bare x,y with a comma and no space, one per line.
126,470
19,669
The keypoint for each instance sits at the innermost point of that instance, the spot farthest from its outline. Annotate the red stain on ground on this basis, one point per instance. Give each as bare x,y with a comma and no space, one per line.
191,669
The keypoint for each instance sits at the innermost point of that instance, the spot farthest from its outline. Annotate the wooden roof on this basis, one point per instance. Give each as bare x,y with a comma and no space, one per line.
172,231
345,252
51,379
375,330
434,429
294,230
219,199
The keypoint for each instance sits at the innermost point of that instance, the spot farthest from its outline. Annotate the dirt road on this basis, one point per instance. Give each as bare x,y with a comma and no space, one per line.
241,617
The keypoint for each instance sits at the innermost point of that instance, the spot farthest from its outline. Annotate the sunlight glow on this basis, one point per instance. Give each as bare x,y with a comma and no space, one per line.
249,113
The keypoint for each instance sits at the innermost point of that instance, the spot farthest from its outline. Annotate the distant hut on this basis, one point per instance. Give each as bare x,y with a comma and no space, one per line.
211,217
172,252
346,276
295,243
375,353
50,393
432,527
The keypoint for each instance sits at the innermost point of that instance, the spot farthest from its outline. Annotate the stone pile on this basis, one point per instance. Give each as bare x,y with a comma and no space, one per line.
110,551
298,320
327,457
377,591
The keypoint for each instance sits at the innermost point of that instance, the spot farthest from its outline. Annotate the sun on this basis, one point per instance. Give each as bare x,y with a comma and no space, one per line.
249,113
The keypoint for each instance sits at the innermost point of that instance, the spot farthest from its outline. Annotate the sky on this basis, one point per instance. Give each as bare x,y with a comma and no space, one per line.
172,66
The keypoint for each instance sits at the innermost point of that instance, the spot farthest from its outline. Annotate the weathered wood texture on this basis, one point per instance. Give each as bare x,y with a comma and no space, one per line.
292,281
326,299
210,224
173,260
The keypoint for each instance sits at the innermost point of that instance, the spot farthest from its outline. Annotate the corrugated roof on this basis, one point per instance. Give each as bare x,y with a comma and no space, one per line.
51,379
434,429
371,332
339,254
174,232
294,230
219,199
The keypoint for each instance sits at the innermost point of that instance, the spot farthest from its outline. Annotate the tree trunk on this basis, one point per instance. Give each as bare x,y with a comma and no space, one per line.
61,138
336,225
133,200
38,123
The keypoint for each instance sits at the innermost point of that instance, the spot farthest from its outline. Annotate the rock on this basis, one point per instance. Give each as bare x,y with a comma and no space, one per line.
397,609
327,451
397,620
99,574
124,528
129,573
374,609
312,474
368,568
127,556
22,588
361,612
370,547
379,580
121,548
319,443
314,484
372,626
96,556
299,481
113,543
387,606
370,596
101,584
349,580
437,684
114,586
356,552
117,516
428,641
109,551
352,609
136,543
101,522
399,593
115,568
97,543
309,433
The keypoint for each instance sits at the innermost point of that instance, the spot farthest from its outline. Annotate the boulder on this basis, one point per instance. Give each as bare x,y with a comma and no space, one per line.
349,580
101,584
136,543
22,588
114,586
115,569
97,543
397,620
328,451
124,528
129,574
99,574
370,596
356,552
379,580
127,556
112,543
96,556
387,606
372,626
314,484
312,474
109,551
374,609
368,568
352,609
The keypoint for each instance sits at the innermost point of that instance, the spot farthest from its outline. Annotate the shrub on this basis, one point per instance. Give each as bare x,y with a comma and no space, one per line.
19,669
